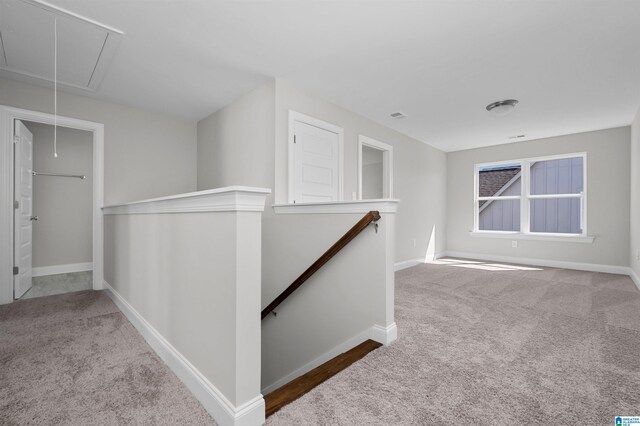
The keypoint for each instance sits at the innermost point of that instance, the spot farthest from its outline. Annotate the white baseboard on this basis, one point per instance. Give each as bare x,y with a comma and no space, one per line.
593,267
61,269
251,413
384,335
398,266
404,264
634,277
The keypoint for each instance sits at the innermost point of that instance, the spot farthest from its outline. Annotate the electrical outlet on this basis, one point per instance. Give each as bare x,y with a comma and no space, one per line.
514,244
414,243
353,195
637,254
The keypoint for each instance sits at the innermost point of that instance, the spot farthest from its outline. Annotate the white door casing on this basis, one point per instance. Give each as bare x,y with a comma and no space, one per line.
316,163
23,225
387,164
8,115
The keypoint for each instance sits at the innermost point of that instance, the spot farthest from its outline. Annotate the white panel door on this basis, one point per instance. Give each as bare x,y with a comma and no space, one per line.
23,190
316,164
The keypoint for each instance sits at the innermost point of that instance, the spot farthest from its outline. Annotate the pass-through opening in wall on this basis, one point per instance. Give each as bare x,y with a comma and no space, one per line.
375,169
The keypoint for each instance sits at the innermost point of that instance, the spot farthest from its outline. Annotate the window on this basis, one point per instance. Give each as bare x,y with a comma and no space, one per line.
532,196
499,197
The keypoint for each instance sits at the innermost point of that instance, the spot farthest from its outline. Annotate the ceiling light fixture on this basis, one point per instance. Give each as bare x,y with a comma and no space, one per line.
502,107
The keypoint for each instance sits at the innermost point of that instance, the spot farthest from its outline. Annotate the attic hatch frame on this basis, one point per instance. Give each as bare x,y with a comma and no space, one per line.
8,115
109,47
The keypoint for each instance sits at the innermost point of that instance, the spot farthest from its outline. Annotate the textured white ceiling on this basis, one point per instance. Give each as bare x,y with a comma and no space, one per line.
573,65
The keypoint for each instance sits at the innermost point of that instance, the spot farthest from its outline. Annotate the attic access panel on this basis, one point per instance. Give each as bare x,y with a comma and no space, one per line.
85,47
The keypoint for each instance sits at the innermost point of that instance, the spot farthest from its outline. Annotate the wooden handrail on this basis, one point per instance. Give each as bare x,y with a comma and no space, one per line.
372,216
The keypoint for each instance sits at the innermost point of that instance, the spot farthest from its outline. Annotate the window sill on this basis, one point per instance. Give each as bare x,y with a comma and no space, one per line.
566,238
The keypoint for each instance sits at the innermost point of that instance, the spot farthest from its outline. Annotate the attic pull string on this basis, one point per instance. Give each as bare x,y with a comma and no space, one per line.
55,88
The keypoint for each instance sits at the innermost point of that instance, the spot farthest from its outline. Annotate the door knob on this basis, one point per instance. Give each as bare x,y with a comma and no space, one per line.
34,217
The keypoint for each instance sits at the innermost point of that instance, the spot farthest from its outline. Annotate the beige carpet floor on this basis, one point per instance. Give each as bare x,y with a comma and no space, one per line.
74,359
50,285
480,344
487,344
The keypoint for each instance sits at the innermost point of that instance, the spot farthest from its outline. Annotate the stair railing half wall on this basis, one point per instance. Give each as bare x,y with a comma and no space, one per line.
372,216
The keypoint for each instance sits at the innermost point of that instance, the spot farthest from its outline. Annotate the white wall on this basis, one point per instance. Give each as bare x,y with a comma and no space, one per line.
186,272
608,175
339,303
146,154
63,233
245,131
185,285
372,181
420,171
635,196
235,144
242,145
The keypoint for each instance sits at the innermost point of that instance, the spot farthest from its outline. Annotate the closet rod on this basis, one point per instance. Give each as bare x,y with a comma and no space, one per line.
58,174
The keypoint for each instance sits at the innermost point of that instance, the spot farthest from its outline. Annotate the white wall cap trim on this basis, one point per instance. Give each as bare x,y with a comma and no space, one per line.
593,267
565,238
231,198
354,206
221,409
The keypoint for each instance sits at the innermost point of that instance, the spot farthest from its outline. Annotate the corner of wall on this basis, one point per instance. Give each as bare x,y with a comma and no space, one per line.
634,240
235,142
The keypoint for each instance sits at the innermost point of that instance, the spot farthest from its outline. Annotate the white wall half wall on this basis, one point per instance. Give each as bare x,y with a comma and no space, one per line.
349,300
186,271
608,206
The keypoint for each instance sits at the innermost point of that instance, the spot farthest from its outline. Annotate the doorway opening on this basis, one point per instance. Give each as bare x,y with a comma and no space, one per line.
56,212
53,229
375,169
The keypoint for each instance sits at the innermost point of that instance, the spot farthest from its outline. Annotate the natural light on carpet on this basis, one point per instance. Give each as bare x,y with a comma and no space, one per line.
475,264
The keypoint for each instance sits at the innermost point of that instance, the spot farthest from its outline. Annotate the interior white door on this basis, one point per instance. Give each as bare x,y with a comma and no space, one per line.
23,190
316,164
